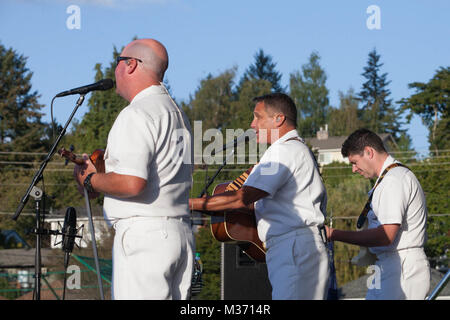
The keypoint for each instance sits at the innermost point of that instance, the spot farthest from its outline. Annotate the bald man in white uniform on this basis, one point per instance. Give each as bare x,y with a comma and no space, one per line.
147,181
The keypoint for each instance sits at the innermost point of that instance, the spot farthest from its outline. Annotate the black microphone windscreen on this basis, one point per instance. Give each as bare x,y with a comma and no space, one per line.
69,230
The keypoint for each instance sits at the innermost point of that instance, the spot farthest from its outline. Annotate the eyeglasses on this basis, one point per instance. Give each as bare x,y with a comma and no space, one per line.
118,59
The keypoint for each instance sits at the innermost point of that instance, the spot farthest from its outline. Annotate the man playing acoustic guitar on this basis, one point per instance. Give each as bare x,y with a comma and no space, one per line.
396,217
288,196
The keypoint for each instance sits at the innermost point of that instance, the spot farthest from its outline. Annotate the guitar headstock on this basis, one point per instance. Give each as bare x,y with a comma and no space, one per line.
69,155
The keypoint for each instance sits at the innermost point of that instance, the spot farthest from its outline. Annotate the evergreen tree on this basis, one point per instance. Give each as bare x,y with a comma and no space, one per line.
263,69
377,112
21,128
431,101
310,95
242,107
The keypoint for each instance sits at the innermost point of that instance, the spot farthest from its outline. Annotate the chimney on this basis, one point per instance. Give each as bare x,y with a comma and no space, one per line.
323,134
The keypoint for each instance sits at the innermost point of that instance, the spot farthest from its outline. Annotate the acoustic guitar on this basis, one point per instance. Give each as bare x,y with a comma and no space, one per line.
238,226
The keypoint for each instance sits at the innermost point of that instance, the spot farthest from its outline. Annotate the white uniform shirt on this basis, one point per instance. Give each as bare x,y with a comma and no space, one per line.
297,197
149,139
399,199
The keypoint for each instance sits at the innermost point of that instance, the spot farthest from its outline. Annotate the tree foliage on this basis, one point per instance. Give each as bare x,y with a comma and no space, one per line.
431,102
377,112
263,69
310,94
344,120
21,128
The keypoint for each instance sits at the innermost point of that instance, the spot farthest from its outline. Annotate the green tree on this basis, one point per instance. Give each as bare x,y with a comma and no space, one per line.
23,137
263,69
21,128
242,107
310,95
212,100
377,112
431,102
104,106
344,120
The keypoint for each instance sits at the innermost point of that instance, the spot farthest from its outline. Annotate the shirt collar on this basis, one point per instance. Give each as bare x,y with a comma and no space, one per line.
153,89
290,134
389,160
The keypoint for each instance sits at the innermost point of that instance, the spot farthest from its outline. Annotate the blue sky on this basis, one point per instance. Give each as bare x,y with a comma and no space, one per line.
206,36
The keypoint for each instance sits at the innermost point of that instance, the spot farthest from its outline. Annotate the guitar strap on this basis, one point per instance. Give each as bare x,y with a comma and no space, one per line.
321,228
312,154
362,217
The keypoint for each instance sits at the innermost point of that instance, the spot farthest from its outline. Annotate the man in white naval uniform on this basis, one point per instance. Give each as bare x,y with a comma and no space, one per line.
147,181
288,196
396,230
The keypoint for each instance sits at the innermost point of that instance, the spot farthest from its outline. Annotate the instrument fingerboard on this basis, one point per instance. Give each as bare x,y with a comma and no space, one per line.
239,181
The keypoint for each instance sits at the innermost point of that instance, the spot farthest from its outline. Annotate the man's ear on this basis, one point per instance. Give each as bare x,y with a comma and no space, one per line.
279,120
131,65
368,152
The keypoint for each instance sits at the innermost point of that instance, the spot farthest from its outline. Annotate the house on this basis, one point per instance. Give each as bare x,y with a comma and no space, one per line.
17,265
328,148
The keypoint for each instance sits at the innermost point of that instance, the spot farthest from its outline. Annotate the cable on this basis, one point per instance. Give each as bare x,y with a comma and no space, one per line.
53,122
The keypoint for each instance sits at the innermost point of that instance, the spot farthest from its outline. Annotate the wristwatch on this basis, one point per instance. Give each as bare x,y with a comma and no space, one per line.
87,183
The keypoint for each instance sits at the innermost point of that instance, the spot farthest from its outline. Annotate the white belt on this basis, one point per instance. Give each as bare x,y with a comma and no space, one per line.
130,220
294,233
387,254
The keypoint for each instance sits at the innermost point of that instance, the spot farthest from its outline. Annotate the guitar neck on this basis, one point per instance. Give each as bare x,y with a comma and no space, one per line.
70,156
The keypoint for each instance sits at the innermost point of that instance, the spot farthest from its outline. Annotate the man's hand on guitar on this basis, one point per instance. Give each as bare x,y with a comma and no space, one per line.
80,173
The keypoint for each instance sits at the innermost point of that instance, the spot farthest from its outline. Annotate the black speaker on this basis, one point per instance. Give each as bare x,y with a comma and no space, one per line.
242,277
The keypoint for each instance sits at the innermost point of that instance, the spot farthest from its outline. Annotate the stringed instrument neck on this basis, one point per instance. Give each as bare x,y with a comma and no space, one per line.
97,158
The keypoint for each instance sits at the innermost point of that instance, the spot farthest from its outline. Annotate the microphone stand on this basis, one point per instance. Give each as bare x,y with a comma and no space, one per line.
94,244
39,196
211,180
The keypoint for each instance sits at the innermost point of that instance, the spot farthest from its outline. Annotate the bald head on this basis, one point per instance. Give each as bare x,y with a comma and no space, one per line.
152,53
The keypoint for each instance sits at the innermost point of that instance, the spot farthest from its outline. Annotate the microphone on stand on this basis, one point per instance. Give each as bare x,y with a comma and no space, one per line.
104,84
69,232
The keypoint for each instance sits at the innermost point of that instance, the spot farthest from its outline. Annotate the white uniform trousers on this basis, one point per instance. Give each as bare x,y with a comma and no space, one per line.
152,258
298,265
404,274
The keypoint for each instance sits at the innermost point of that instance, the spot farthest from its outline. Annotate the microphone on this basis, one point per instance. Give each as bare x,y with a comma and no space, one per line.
250,134
104,84
69,230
